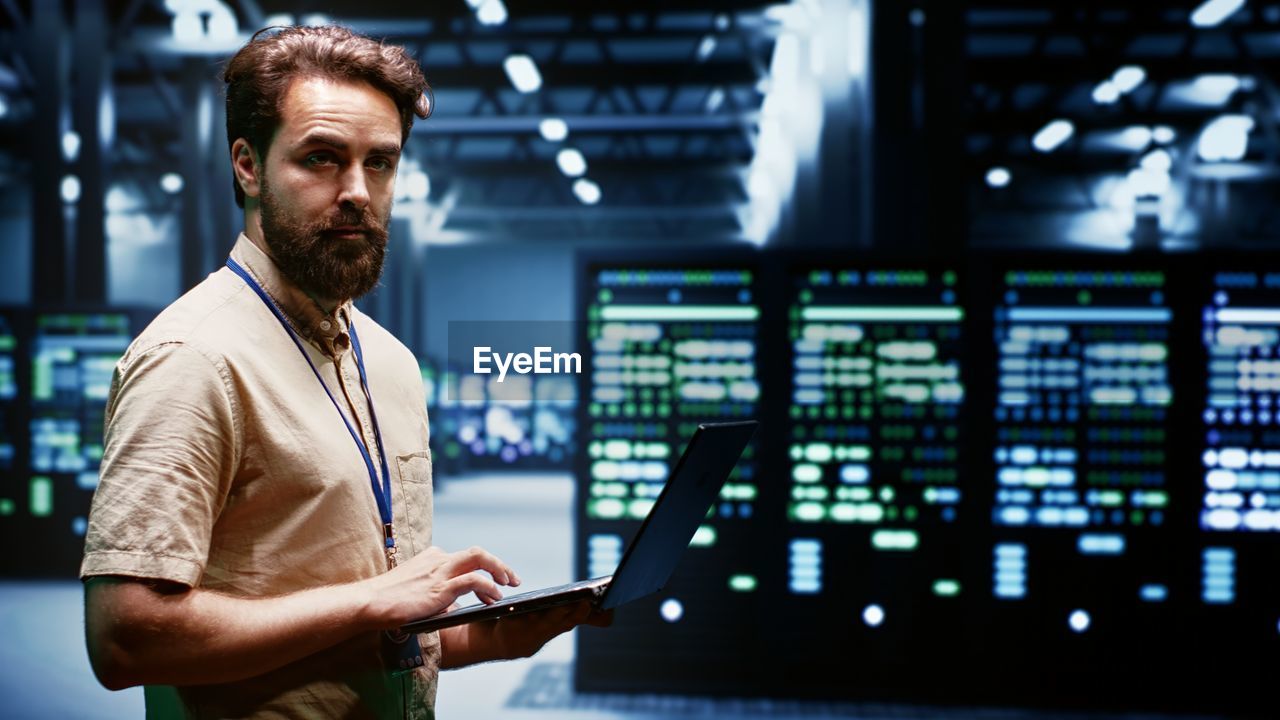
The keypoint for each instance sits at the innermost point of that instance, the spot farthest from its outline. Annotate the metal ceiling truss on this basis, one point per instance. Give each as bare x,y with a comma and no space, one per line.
656,97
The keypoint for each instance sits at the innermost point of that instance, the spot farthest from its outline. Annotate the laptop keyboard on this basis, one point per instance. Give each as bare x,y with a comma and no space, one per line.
535,594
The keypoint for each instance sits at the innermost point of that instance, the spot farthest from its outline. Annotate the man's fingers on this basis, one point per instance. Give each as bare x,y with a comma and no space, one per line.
484,588
477,558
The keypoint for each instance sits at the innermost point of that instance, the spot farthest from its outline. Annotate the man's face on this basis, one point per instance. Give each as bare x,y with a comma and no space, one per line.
327,186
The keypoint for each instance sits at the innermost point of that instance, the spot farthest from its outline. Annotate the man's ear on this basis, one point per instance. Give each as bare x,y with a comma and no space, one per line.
247,167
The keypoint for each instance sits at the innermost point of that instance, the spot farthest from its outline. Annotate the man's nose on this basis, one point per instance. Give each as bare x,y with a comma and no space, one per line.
355,188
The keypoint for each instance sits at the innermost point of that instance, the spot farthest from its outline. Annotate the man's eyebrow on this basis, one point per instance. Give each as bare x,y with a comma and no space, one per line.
338,143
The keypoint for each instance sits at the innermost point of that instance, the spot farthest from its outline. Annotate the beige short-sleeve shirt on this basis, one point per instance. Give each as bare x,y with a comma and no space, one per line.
227,467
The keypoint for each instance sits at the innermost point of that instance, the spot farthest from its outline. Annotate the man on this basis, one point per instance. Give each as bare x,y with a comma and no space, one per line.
264,510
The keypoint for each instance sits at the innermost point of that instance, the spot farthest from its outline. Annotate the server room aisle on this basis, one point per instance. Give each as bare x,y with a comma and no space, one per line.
527,519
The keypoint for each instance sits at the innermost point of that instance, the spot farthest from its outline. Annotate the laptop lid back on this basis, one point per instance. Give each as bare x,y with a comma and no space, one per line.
682,505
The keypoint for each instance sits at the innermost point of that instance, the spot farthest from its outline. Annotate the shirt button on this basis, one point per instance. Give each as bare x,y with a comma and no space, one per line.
325,325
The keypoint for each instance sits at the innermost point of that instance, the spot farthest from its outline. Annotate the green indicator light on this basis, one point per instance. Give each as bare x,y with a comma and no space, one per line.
895,540
1110,498
949,277
946,588
806,473
607,508
7,342
42,380
681,312
874,313
705,536
742,583
1084,297
6,506
606,296
807,511
41,497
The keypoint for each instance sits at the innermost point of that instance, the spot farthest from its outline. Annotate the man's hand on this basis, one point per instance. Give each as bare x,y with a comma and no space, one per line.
518,636
432,580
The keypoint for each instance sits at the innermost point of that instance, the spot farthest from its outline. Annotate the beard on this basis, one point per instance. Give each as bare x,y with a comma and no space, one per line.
313,257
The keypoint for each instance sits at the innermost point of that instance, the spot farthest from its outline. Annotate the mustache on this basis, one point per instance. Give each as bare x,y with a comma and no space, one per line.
360,219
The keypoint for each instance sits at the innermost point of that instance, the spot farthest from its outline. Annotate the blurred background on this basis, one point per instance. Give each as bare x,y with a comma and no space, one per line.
999,279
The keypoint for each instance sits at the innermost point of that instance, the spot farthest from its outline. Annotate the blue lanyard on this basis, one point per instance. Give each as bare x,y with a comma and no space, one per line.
381,494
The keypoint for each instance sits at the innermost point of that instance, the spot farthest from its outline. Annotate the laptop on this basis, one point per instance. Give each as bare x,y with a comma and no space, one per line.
651,558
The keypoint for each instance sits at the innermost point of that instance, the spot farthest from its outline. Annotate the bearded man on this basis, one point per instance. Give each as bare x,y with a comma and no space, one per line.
263,519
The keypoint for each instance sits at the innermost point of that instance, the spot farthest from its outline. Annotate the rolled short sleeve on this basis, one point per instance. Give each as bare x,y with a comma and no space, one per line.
168,466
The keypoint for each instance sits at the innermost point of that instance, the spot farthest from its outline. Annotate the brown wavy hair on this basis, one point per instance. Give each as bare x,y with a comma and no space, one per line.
259,74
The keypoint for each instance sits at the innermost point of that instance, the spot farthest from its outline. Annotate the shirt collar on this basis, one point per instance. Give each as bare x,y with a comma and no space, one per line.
309,320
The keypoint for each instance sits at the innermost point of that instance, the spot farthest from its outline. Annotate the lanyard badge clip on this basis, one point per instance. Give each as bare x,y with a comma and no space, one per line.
389,538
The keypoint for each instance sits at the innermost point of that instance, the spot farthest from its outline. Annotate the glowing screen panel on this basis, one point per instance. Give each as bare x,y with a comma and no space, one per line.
873,460
1238,509
12,431
73,357
1242,465
8,398
666,347
875,397
1080,551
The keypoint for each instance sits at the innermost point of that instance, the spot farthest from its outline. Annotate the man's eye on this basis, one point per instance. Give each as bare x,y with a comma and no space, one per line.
380,164
318,159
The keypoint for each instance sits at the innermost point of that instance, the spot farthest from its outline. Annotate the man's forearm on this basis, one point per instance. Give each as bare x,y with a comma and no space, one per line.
140,635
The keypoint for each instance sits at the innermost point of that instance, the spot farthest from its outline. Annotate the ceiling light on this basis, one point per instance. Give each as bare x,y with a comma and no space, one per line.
522,72
706,47
1052,135
1213,12
587,191
70,145
70,189
171,183
553,129
1158,160
1106,93
1225,138
571,162
1128,78
492,12
998,177
417,186
187,28
222,26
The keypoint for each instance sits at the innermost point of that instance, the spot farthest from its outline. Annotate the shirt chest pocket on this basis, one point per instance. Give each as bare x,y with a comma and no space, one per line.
413,483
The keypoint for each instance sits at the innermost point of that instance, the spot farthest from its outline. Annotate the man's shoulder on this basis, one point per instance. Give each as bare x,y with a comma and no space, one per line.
205,318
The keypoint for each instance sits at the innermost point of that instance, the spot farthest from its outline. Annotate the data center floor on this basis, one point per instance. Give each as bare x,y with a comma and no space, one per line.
524,518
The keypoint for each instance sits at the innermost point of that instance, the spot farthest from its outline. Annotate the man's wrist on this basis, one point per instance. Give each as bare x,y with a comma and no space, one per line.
369,612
